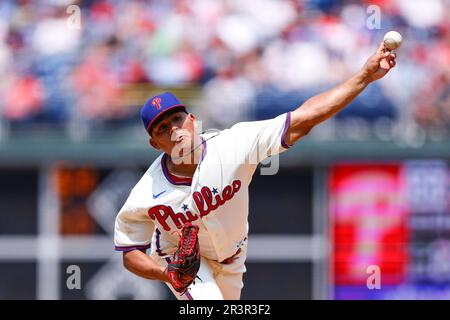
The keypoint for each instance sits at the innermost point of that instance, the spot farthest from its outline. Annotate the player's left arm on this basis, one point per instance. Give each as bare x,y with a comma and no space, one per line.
323,106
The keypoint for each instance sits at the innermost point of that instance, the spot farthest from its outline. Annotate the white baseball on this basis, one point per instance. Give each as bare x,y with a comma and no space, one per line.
393,40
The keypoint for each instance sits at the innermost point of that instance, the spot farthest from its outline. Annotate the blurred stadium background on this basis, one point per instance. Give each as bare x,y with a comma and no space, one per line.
369,187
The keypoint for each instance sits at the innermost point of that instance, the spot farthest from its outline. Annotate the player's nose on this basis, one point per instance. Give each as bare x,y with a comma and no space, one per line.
173,128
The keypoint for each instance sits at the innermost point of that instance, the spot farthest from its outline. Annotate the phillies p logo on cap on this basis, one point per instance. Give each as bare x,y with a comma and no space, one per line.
157,102
158,105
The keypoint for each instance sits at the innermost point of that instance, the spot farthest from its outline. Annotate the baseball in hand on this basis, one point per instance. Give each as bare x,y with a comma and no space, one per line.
393,40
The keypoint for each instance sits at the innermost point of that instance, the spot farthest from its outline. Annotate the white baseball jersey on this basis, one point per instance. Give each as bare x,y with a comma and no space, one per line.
216,198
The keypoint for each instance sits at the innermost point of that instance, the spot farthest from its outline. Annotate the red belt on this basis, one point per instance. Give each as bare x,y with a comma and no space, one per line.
232,258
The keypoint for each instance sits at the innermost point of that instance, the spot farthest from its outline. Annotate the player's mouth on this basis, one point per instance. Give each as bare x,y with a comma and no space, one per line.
179,139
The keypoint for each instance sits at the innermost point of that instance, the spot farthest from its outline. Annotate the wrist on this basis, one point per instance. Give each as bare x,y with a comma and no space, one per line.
164,274
364,77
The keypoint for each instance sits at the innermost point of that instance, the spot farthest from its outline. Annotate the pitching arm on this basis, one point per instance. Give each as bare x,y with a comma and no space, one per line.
323,106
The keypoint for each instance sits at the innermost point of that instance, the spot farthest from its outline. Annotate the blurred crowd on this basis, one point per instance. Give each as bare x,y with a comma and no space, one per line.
250,59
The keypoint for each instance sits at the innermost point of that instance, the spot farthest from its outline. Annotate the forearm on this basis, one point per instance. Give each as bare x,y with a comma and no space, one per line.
325,105
142,265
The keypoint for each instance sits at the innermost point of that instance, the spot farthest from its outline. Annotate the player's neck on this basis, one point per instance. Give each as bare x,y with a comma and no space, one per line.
185,168
181,170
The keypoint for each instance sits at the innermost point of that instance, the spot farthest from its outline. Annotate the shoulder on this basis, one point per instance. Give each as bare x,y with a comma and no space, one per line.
145,185
213,136
246,130
280,119
153,173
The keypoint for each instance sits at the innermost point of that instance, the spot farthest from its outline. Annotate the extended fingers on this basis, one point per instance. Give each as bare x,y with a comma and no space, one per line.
384,52
389,56
389,61
382,48
392,57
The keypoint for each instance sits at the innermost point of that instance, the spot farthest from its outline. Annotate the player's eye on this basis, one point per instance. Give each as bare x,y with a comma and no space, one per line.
162,128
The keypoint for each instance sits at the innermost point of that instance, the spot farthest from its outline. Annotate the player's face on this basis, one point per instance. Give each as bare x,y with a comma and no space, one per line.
174,133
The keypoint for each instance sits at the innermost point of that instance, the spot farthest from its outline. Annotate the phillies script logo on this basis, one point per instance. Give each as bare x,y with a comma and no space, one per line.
206,201
157,103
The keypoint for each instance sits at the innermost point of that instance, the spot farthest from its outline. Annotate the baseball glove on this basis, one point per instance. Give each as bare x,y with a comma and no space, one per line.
186,260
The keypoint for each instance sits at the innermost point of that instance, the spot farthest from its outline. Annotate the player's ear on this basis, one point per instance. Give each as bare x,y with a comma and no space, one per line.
192,116
154,144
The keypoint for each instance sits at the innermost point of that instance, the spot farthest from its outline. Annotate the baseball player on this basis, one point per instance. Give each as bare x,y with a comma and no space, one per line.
203,179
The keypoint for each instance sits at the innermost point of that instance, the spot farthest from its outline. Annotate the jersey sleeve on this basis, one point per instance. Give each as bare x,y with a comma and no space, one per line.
258,140
133,228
